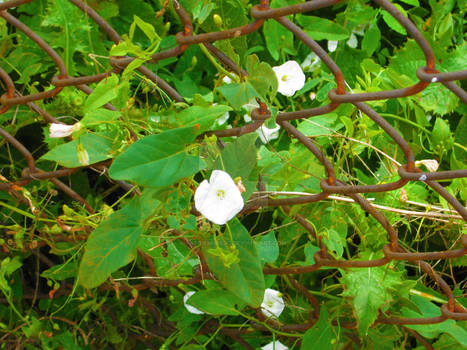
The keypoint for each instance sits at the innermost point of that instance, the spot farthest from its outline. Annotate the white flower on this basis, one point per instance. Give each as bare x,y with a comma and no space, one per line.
353,41
227,79
273,304
218,199
223,118
290,77
275,345
191,309
310,61
332,45
266,134
62,130
431,164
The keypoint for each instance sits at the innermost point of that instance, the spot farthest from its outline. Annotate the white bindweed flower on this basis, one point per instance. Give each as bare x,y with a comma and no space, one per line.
273,304
353,41
290,77
431,164
275,345
266,134
310,61
332,45
223,118
218,199
62,130
191,309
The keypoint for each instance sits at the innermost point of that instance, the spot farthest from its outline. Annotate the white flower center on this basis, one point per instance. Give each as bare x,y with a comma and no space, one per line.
284,77
220,194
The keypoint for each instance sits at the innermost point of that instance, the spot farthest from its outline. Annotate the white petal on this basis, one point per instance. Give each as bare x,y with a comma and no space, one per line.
273,304
431,164
332,45
276,345
223,118
247,118
191,309
290,78
62,130
353,41
227,79
216,208
310,61
266,134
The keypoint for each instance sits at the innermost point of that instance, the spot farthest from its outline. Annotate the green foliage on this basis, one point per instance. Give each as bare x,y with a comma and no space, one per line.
116,277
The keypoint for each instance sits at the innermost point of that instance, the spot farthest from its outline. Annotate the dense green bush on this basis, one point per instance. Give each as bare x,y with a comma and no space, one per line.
116,276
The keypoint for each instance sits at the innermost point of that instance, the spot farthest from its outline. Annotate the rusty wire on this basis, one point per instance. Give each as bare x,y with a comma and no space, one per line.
330,185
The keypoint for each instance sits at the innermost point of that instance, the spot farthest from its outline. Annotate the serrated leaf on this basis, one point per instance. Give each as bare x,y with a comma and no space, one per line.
113,243
98,148
245,278
370,289
158,160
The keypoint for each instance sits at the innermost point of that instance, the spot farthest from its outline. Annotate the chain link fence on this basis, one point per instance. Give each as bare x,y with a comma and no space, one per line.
330,185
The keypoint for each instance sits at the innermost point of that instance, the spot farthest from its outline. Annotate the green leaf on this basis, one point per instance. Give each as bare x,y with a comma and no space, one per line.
261,76
268,248
113,243
7,267
392,22
321,336
97,146
238,94
104,92
277,38
158,160
239,159
204,116
100,115
371,40
429,309
320,28
61,272
441,135
370,289
147,28
245,278
215,302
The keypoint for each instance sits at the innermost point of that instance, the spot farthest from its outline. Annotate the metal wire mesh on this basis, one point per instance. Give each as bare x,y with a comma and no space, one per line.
330,185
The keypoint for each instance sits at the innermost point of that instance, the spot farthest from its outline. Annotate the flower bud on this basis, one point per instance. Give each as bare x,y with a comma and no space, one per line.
217,20
83,156
62,130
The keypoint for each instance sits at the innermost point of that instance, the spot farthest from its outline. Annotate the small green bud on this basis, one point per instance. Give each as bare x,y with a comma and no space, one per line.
217,20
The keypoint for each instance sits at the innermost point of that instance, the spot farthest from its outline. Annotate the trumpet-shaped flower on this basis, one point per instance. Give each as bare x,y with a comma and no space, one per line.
275,345
62,130
266,134
273,304
290,77
431,164
191,309
310,61
218,199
